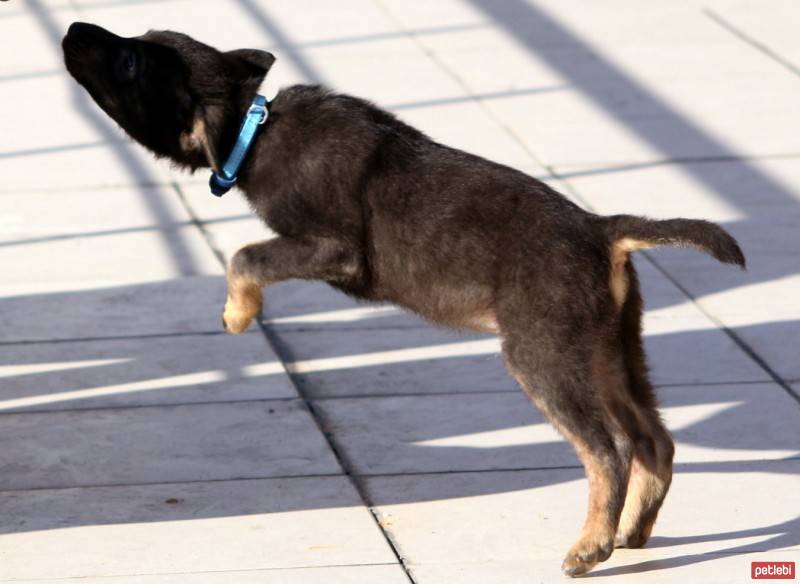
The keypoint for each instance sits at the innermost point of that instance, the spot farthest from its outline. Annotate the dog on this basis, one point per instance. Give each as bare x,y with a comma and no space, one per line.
379,211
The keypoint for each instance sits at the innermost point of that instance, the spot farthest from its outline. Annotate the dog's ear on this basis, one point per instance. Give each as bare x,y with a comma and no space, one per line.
259,62
200,142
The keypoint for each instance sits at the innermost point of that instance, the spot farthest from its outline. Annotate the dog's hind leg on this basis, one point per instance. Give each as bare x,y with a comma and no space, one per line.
651,475
267,262
568,379
651,470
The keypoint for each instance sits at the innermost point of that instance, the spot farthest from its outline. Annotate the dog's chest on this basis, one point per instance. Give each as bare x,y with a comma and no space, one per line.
296,214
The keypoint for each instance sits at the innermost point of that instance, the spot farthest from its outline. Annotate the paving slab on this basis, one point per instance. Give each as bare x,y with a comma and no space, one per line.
389,361
168,253
390,574
140,371
17,20
772,29
773,338
136,18
42,216
276,26
354,20
659,191
755,199
58,95
504,431
443,433
394,70
466,125
84,148
102,235
536,95
467,525
356,574
100,256
62,166
630,101
101,309
375,361
522,90
191,532
443,14
162,444
668,335
228,221
632,567
758,421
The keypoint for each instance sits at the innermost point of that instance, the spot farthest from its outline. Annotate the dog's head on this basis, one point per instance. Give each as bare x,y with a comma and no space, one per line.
174,95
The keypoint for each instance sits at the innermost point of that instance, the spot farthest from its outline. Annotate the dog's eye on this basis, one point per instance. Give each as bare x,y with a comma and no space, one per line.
130,64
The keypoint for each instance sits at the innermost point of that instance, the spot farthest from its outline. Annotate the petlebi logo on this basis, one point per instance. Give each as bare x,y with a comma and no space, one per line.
772,570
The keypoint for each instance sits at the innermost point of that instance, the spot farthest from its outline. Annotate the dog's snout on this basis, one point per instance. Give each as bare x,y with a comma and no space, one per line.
75,29
82,35
86,31
84,46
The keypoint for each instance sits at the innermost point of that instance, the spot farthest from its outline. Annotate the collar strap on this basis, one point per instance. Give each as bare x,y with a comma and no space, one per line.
222,181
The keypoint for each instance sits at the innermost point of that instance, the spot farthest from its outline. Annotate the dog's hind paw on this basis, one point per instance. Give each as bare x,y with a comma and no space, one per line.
634,539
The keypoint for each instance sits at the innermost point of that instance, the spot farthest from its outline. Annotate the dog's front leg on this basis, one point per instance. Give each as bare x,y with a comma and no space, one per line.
266,262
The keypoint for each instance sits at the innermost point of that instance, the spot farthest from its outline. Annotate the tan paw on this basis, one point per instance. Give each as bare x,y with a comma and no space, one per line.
236,320
635,538
584,555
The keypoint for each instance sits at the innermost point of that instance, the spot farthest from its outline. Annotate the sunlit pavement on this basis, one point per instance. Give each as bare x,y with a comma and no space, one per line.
349,444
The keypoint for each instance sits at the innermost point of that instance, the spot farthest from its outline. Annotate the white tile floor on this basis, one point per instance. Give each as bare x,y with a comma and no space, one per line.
142,445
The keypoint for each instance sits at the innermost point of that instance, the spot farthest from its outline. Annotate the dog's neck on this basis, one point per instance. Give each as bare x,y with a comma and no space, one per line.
224,178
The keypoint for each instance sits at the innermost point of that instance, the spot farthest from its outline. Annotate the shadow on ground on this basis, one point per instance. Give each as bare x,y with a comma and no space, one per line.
123,334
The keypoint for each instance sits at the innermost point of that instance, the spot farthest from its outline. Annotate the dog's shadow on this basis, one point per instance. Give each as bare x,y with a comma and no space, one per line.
784,535
476,399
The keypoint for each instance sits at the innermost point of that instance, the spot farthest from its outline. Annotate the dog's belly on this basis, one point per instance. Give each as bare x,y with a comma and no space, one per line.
479,321
467,307
482,322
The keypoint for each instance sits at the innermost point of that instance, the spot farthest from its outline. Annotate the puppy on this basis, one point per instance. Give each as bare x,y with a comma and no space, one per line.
379,211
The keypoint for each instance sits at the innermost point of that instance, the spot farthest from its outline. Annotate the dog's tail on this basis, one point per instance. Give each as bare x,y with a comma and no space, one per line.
627,233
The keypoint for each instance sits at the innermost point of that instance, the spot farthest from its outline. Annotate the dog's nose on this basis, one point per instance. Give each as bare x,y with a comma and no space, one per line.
76,27
82,34
84,29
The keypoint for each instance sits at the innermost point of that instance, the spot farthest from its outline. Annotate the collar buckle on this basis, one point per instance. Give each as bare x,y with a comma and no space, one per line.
259,109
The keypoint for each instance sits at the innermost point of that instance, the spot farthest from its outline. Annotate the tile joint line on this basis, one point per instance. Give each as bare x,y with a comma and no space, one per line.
752,41
344,463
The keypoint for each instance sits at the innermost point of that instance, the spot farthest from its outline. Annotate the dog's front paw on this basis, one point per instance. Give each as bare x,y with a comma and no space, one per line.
584,555
235,319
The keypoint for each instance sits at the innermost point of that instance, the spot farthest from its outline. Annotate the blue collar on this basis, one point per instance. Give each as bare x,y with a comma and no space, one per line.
222,181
